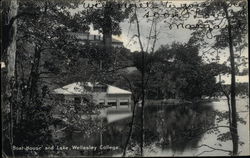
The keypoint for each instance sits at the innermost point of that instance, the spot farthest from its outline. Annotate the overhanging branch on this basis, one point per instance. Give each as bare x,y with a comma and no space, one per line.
218,149
12,20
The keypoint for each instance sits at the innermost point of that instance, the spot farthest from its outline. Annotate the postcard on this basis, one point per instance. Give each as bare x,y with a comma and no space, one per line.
117,78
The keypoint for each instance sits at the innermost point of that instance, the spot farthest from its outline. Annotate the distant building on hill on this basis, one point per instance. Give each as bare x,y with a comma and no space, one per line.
94,39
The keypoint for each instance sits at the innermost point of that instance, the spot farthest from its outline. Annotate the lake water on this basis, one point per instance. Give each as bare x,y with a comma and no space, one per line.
169,131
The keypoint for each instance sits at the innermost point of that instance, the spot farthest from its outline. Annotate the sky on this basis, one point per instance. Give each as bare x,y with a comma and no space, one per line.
165,36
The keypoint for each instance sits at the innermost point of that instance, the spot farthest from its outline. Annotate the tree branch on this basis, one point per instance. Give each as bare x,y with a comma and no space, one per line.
206,130
45,72
138,30
224,150
155,37
205,152
60,129
149,36
228,103
133,116
12,20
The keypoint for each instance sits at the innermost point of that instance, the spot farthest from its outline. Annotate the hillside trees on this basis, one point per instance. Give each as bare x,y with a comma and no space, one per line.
181,73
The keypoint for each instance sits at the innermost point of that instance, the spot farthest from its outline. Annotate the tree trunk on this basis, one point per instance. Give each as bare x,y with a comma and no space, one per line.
233,129
107,30
133,116
142,81
130,130
34,74
9,59
107,40
142,104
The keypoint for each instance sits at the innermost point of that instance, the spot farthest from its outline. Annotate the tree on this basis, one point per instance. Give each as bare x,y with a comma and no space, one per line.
143,61
34,33
131,81
9,28
42,36
107,20
232,35
180,72
140,62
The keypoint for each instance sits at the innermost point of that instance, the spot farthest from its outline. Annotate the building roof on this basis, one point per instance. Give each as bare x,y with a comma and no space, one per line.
77,88
226,79
116,90
73,88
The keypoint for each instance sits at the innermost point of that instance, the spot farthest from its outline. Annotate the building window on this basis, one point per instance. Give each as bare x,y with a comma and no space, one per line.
124,103
112,103
101,101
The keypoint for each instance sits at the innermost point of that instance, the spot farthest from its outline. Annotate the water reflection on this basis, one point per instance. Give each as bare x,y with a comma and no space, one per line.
173,127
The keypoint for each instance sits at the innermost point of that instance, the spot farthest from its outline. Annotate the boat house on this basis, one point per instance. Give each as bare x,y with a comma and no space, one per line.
113,98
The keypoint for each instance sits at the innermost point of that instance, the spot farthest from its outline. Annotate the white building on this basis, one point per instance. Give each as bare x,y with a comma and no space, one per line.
94,39
114,98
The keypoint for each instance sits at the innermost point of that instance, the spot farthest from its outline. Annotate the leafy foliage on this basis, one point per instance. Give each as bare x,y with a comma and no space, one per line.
182,72
44,52
108,18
